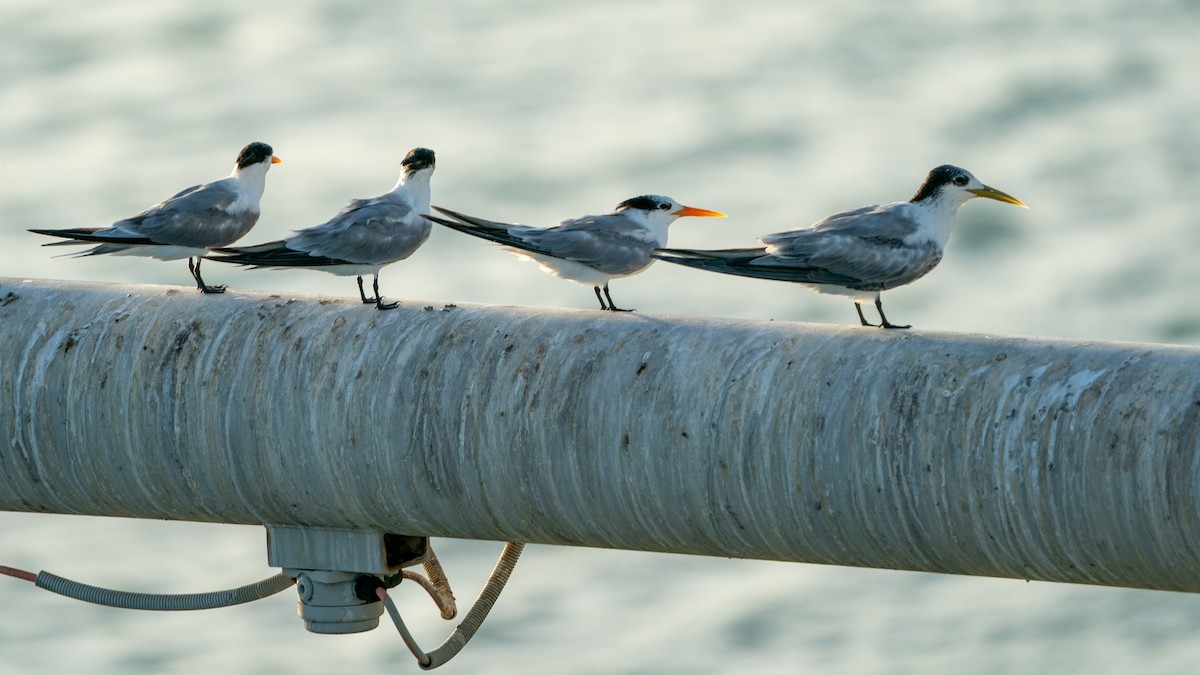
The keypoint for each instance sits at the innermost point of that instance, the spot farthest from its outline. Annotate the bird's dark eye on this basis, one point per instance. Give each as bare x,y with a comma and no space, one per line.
664,207
961,180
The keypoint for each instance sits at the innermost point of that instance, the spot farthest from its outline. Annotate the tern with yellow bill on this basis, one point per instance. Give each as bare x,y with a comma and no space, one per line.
857,253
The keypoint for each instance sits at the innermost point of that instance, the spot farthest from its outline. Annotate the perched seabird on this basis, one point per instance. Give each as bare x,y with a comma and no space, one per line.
366,235
590,250
857,253
188,224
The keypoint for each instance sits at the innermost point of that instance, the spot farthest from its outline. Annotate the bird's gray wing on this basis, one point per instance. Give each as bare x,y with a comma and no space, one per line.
751,262
368,231
198,216
887,221
872,245
864,249
609,243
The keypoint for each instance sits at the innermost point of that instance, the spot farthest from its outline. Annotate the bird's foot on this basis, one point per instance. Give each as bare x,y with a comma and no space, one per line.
205,288
381,305
618,309
895,326
862,318
370,301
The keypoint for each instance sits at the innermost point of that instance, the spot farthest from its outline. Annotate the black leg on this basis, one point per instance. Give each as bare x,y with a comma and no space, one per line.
886,323
600,298
204,288
362,294
379,303
612,307
861,318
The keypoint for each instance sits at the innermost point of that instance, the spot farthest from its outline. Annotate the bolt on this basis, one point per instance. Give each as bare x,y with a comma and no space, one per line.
304,588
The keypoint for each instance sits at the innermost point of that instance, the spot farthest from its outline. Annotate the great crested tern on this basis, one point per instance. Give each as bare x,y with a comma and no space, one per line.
189,223
590,250
366,235
857,253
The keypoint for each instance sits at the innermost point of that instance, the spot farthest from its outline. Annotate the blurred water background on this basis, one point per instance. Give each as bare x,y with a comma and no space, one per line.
776,113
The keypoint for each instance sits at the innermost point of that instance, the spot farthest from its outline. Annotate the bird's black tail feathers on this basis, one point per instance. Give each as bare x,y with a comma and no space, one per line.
485,229
752,262
80,235
272,254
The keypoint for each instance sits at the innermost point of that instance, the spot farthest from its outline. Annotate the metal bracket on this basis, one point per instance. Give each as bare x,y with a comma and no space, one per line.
327,561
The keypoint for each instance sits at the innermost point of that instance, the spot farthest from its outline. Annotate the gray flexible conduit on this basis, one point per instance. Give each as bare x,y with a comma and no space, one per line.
163,602
465,630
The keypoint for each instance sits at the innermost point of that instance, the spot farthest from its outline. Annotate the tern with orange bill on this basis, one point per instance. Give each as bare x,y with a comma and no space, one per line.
590,250
188,224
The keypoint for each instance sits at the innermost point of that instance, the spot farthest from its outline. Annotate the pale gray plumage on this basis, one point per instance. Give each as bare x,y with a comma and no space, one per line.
375,231
590,250
190,222
609,243
860,252
198,217
867,249
363,237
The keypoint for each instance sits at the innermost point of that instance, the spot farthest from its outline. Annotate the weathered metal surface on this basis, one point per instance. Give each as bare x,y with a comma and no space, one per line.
1028,458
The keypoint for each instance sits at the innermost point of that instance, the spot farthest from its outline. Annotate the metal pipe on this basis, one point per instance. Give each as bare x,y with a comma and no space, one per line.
1029,458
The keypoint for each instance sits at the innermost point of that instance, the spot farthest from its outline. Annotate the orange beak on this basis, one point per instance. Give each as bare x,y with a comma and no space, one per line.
699,213
276,160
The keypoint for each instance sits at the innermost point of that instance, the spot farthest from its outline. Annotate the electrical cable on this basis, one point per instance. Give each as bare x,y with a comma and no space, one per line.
437,577
445,605
437,586
470,624
19,574
162,602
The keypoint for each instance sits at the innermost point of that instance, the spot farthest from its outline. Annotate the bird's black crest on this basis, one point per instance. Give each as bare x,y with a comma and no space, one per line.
417,159
940,176
253,154
644,203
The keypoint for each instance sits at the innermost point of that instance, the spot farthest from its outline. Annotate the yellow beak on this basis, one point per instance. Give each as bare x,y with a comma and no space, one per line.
276,160
700,213
993,193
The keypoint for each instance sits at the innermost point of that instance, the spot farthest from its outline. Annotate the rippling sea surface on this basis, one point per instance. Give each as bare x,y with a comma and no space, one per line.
776,113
